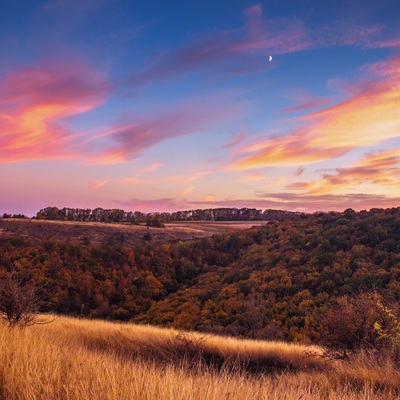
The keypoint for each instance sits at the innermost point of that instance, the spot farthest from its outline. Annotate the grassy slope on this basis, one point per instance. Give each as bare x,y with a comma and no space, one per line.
80,359
99,233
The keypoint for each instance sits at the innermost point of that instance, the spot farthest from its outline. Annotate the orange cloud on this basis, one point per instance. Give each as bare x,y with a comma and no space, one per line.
187,190
131,181
379,169
366,118
253,177
188,178
35,101
209,198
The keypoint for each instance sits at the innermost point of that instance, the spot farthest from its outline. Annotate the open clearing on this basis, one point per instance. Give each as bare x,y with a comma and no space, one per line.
100,233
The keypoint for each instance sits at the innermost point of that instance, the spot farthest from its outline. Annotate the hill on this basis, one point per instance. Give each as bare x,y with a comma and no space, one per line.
79,359
278,281
101,233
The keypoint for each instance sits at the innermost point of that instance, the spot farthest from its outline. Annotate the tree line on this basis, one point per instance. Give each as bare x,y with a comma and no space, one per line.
118,215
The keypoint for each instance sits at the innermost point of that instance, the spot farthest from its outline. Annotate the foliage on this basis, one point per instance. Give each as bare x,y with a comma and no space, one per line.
351,325
272,282
389,331
156,219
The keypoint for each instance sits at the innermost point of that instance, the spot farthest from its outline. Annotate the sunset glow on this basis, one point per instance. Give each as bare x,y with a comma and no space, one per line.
156,107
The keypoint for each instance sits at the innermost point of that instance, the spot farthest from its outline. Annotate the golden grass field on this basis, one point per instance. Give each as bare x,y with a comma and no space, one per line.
81,359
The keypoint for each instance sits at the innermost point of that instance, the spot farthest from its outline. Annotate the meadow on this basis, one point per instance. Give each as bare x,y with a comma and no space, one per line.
101,233
82,359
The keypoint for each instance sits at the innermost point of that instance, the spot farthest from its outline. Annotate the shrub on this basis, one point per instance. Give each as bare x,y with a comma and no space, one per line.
147,236
19,304
350,325
388,332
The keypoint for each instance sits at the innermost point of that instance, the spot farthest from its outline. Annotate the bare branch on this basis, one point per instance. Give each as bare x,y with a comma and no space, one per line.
20,305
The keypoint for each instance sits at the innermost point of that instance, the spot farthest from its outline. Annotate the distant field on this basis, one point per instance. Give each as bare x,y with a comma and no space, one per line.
98,232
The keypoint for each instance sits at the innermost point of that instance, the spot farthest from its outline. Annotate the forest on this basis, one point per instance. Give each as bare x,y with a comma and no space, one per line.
277,281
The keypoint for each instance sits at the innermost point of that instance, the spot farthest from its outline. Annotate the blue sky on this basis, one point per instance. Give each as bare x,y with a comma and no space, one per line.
165,106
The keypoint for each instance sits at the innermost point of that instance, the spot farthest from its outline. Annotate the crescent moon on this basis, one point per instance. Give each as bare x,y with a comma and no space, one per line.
270,58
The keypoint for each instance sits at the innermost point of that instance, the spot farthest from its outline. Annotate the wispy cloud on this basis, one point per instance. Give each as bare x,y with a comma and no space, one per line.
131,181
153,167
252,177
305,102
235,140
327,202
295,202
380,169
187,178
63,16
99,184
369,116
167,204
209,198
187,190
299,171
281,201
34,103
128,140
230,51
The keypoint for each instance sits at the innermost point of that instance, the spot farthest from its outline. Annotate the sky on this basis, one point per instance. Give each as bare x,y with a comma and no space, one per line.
176,105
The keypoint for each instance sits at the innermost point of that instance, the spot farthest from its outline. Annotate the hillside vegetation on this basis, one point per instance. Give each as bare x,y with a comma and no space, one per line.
278,281
80,359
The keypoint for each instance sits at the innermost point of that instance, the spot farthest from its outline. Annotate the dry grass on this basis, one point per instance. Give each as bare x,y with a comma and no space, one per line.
78,359
99,232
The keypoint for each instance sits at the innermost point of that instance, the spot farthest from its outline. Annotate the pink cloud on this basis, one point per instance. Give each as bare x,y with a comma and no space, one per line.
236,139
307,104
328,202
131,181
153,167
34,103
232,51
154,205
127,141
99,184
282,201
379,169
187,178
299,171
369,116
